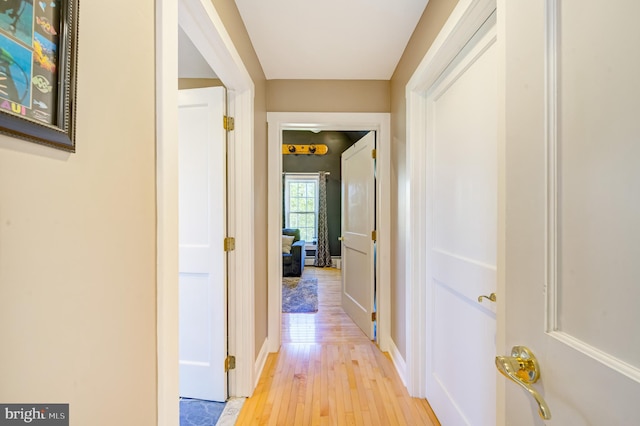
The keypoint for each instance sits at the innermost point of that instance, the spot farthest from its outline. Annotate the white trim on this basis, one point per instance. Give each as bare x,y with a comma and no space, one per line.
416,211
167,211
551,129
630,371
336,262
203,25
398,361
242,304
261,360
466,18
201,22
463,22
279,121
501,385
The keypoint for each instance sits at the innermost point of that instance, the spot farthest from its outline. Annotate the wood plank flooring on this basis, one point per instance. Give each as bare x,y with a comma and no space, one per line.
328,373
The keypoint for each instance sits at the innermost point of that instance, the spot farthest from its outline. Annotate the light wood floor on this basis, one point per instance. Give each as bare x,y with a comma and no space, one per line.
328,373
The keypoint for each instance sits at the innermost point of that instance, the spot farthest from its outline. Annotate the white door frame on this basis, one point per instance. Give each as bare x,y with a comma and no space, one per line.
463,22
279,121
203,25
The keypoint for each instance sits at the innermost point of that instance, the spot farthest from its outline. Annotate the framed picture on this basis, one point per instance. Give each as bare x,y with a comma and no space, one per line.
38,45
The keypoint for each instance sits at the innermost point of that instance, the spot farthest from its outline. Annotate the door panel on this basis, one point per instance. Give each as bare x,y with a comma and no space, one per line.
202,229
462,228
358,221
571,266
598,172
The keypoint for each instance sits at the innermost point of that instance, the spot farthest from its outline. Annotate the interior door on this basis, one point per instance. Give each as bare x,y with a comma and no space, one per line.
202,229
358,223
461,117
572,208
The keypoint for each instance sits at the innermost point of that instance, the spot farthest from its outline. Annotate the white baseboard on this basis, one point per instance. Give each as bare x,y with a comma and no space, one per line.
398,361
336,261
261,360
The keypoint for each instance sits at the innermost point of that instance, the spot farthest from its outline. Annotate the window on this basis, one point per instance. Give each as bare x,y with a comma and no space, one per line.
301,205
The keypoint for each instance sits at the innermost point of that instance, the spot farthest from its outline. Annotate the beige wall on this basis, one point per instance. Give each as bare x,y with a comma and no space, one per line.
432,20
78,238
328,96
230,16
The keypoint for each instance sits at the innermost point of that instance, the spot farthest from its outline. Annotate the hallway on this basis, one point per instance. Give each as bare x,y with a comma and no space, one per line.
328,372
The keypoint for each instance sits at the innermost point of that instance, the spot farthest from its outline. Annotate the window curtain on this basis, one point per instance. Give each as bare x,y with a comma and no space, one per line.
323,256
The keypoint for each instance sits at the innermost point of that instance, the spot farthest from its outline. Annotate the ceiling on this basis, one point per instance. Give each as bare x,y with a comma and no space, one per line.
330,39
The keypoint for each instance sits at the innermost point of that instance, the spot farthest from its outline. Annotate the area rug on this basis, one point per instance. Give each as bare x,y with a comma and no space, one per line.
196,412
299,295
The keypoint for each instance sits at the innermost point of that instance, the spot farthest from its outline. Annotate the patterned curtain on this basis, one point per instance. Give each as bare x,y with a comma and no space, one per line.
323,256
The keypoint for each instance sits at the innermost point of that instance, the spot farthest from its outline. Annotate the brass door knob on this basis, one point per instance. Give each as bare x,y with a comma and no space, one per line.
522,368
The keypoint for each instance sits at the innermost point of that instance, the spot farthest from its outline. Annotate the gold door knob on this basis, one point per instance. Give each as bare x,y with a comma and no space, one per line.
340,238
491,297
522,368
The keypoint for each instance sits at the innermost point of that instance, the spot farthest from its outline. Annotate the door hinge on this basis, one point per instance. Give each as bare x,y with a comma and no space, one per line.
374,153
229,244
229,363
373,316
374,235
228,123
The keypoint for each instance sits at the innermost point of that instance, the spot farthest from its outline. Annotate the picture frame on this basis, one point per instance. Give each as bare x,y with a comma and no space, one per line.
38,56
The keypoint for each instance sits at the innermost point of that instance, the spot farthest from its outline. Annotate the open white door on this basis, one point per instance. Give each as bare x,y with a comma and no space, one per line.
358,224
202,212
572,209
461,227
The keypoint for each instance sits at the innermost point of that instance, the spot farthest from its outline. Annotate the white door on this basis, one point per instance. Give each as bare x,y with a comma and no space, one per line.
202,229
461,118
572,211
358,223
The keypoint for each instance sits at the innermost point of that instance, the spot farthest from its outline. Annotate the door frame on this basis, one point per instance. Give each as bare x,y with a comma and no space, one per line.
204,26
378,122
466,18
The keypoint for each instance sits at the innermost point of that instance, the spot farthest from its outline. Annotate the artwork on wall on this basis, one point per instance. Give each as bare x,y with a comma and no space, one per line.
38,42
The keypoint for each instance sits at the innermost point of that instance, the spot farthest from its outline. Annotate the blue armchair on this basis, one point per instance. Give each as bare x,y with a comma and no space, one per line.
293,262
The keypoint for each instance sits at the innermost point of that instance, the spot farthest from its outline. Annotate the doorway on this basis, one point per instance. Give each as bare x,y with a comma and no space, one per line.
202,211
279,122
461,233
463,23
200,21
334,212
